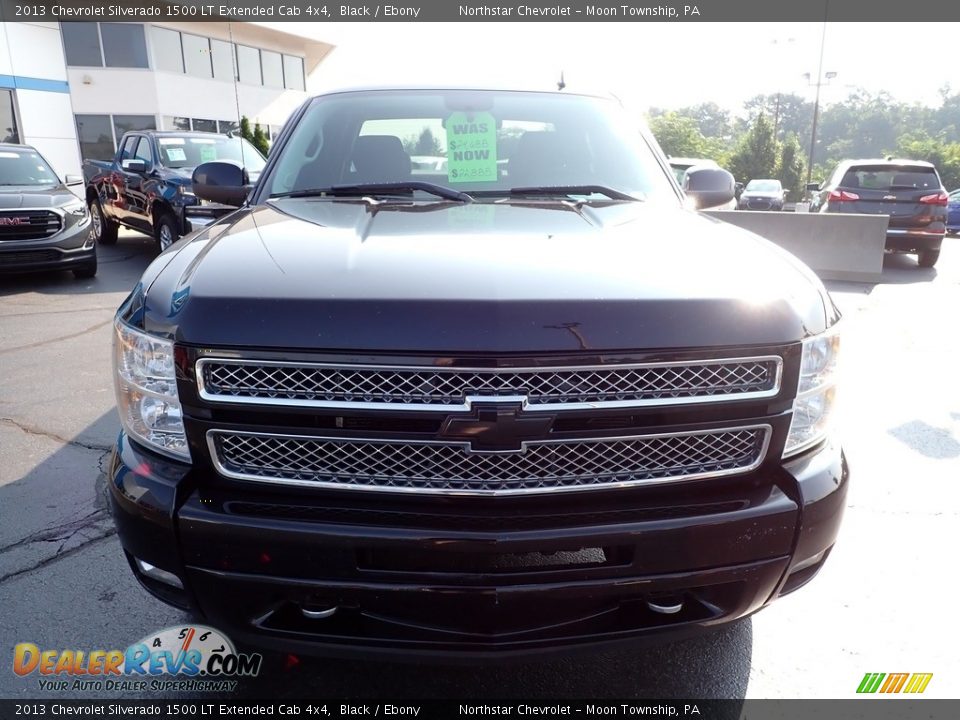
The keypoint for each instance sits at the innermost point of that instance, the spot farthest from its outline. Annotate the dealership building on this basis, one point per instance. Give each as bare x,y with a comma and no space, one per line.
72,89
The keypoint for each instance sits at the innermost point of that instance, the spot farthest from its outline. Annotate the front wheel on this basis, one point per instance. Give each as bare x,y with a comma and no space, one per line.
166,232
928,258
104,230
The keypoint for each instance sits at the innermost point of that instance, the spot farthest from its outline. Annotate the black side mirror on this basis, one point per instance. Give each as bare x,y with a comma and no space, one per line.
708,186
134,165
813,187
221,182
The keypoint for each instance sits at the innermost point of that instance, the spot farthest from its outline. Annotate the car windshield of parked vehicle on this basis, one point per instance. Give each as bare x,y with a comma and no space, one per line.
25,167
187,151
764,186
484,143
885,177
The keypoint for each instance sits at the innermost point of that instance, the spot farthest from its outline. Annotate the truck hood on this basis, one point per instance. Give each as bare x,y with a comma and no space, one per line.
15,197
343,275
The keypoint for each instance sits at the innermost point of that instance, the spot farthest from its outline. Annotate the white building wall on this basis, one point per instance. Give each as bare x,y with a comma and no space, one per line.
33,66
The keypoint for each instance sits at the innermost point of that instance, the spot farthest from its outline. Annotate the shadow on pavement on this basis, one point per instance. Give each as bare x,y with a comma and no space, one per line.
139,250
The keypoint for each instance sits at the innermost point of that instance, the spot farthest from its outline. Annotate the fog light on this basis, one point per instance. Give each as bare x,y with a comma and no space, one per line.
155,573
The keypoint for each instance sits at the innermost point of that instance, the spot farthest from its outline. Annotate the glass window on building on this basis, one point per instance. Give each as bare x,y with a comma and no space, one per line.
95,136
176,123
222,54
129,123
196,56
204,125
248,65
124,45
81,44
228,126
293,73
9,133
167,51
272,64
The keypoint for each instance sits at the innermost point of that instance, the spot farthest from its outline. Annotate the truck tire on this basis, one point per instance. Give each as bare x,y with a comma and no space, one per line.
928,258
105,230
165,231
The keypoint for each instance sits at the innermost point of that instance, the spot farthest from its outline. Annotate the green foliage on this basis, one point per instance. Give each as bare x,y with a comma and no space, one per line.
259,140
756,153
680,136
792,168
423,144
945,155
257,137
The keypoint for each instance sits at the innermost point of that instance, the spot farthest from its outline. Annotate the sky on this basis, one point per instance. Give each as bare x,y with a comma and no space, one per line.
658,64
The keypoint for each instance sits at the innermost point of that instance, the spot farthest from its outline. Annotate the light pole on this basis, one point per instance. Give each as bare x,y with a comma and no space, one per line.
816,103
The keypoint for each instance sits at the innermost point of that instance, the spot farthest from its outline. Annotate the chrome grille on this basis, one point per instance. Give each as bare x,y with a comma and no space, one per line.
443,389
28,224
450,467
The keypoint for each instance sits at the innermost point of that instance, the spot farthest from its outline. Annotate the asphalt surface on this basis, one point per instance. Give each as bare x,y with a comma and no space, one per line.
882,604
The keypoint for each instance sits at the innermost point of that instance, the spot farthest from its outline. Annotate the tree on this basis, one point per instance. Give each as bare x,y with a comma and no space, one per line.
791,167
260,141
679,136
256,137
944,155
423,144
756,153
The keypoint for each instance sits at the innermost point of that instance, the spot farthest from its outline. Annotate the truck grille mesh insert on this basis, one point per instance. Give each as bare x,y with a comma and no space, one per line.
446,467
440,389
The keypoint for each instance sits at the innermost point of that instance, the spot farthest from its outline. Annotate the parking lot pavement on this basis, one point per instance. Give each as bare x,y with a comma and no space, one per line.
876,607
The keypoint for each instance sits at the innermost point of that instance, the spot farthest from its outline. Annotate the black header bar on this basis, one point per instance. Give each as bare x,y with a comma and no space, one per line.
860,11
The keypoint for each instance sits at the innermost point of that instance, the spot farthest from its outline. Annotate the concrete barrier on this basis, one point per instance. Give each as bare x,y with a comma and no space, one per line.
835,246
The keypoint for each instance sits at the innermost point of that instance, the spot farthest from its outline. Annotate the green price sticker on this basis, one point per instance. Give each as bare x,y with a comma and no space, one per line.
471,147
208,153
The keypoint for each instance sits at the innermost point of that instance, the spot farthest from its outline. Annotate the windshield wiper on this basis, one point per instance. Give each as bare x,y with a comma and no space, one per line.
570,190
361,189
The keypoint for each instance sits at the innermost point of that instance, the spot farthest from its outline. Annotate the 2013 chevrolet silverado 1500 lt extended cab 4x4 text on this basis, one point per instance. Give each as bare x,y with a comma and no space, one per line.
147,185
531,401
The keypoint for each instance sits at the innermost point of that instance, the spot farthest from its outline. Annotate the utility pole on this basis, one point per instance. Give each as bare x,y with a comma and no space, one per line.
816,102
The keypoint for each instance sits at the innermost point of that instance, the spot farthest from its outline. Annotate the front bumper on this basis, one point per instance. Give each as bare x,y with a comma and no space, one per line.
72,247
498,581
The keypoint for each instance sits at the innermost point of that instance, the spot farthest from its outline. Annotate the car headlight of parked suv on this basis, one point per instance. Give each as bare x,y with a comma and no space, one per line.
146,385
816,393
77,209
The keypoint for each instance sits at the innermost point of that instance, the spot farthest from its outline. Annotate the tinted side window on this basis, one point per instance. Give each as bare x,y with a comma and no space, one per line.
144,152
128,146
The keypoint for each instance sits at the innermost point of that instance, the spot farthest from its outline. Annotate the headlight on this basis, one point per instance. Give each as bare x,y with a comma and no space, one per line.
146,384
816,393
76,207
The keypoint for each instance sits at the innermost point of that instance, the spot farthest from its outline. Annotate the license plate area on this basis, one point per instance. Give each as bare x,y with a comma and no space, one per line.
484,563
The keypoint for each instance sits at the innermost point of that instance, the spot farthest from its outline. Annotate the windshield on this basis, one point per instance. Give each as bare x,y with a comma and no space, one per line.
25,167
477,142
764,185
188,151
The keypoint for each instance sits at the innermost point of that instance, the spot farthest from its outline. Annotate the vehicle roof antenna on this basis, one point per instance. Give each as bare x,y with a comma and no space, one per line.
561,85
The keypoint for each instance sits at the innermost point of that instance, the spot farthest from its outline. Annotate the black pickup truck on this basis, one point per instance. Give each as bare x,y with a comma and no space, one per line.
147,185
529,400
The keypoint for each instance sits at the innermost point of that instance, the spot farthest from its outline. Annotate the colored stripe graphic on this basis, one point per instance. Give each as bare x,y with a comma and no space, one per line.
918,682
894,683
870,682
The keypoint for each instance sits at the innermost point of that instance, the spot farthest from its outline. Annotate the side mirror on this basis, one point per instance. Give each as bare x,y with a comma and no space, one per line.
221,182
708,187
813,187
134,165
70,180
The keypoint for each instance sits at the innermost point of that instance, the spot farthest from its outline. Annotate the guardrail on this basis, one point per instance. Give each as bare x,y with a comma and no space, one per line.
835,246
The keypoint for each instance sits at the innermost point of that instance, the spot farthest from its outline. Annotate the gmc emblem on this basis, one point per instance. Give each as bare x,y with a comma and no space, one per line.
14,221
